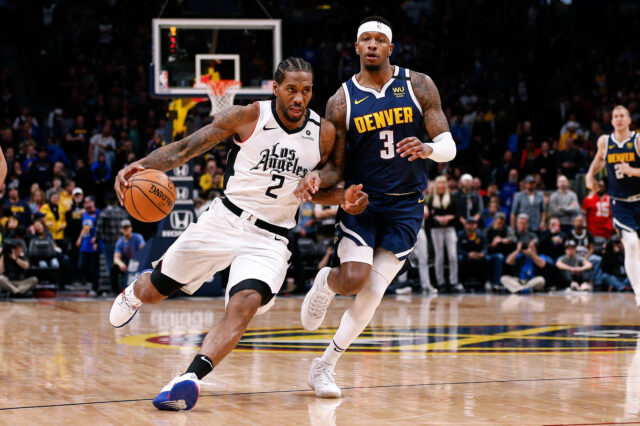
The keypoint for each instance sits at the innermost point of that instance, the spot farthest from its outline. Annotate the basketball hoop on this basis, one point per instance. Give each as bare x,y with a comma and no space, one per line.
221,93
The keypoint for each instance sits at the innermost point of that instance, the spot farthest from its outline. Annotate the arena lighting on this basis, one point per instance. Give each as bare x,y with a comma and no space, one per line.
324,7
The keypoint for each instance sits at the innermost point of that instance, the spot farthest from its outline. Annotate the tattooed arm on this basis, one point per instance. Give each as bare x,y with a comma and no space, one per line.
238,120
434,121
332,147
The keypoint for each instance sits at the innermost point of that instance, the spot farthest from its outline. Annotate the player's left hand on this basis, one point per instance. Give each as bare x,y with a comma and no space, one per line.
307,186
356,201
414,148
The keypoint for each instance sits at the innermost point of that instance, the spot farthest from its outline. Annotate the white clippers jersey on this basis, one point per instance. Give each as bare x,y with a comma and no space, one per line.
264,170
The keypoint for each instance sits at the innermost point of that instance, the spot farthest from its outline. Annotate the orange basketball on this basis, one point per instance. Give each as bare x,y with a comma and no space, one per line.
150,195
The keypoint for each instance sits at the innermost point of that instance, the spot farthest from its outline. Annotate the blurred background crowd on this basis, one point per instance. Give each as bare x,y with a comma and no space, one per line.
527,90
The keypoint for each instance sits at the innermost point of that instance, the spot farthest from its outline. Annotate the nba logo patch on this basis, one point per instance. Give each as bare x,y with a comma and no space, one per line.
629,145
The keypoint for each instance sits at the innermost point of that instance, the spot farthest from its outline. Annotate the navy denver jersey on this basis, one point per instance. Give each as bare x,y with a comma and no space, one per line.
622,186
376,122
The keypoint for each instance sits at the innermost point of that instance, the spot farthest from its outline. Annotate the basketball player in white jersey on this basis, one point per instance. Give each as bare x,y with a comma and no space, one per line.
276,143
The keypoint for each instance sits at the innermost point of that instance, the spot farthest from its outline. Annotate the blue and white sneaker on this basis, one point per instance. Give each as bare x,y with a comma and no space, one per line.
126,305
180,394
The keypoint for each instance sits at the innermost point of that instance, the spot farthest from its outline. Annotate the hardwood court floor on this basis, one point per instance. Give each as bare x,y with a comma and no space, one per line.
550,359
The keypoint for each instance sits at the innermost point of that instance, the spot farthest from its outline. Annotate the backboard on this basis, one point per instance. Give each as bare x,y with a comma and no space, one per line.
186,50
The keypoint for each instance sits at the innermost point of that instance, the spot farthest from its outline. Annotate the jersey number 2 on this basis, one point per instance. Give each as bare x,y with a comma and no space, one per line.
278,185
388,152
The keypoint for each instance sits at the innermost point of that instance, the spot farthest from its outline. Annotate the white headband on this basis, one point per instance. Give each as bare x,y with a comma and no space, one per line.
374,26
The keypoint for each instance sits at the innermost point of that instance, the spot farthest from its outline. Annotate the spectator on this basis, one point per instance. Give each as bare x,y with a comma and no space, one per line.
614,276
37,200
13,268
40,170
526,269
509,189
56,186
103,143
101,176
489,213
582,238
597,209
552,240
55,219
501,241
108,229
19,208
88,263
443,233
59,171
529,157
76,141
570,134
468,202
571,160
306,222
206,179
57,155
574,268
472,251
51,261
85,176
530,202
73,217
563,204
546,165
125,249
66,195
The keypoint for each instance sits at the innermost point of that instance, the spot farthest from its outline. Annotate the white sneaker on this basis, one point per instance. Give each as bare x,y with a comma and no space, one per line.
322,380
126,305
511,283
316,302
179,394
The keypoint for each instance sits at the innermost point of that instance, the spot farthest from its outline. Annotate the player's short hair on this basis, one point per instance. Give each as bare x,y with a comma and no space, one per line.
621,107
376,18
291,64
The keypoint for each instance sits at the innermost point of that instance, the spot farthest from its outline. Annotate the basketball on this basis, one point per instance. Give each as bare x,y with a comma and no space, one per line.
150,196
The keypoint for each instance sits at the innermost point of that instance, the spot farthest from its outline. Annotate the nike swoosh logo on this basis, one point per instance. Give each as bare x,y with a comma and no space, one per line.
357,101
268,128
421,201
207,361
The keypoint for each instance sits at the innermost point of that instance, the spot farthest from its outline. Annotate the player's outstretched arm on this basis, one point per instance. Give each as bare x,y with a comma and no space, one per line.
235,120
443,148
352,200
333,140
597,164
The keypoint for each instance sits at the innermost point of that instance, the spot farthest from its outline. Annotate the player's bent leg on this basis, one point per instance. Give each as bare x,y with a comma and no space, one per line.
353,322
151,286
183,391
350,278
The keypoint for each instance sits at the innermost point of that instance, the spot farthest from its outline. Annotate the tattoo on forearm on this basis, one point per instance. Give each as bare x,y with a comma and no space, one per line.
427,93
336,113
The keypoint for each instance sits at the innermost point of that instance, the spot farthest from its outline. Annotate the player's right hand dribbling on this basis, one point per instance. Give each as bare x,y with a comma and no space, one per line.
356,201
122,179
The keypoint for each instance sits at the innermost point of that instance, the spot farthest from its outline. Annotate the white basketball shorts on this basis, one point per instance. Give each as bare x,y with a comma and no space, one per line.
219,239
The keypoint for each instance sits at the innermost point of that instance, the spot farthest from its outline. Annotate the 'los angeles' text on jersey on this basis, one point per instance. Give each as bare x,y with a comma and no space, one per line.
278,160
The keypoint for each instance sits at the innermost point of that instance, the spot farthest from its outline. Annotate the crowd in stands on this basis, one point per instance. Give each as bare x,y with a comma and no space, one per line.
509,212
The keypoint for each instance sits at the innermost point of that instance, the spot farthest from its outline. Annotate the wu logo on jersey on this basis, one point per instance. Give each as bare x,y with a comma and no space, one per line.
398,92
278,160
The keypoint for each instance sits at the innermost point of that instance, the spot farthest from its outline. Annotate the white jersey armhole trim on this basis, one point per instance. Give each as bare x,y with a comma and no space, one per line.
255,126
316,116
410,87
635,141
606,148
347,99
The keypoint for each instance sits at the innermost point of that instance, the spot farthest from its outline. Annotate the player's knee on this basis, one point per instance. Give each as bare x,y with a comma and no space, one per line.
353,279
244,304
146,291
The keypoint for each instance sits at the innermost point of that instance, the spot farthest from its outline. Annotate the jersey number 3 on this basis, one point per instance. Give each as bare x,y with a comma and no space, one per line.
619,174
388,152
278,185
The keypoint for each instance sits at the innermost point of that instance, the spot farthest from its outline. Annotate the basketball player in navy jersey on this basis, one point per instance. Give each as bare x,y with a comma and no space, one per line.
380,114
620,153
276,142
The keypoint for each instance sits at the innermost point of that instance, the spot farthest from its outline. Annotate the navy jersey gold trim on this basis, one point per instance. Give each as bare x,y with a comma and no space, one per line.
376,122
620,185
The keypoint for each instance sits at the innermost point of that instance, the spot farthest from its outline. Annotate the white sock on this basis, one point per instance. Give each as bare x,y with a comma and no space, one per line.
357,317
632,261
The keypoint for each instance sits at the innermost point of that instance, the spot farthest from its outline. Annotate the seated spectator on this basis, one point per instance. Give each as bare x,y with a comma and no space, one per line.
574,269
206,179
13,268
500,242
525,268
468,202
614,276
472,251
55,218
509,189
530,202
66,195
563,204
523,234
56,186
442,220
552,240
583,239
126,248
493,207
597,209
36,201
50,259
19,208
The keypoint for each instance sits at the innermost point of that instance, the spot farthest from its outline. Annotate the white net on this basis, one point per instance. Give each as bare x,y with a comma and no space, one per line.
221,94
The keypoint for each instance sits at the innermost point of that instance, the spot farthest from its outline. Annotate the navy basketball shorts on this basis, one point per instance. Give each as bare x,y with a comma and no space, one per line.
626,215
389,222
